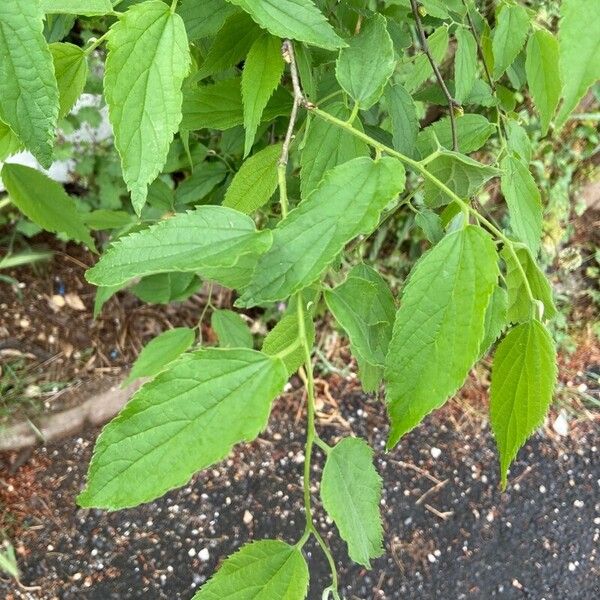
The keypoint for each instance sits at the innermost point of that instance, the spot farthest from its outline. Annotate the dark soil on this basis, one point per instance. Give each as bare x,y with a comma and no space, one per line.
450,532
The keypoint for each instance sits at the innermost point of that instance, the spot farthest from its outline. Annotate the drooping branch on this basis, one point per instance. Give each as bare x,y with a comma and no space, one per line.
452,103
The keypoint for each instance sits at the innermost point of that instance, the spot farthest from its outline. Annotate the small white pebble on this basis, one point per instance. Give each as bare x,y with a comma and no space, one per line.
561,425
431,558
248,517
204,554
572,567
435,452
192,552
542,489
578,504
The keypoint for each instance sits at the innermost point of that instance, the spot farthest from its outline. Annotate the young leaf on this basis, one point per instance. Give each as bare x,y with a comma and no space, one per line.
543,75
326,147
86,8
148,59
519,305
203,19
364,307
347,202
365,66
231,329
403,115
265,569
45,202
160,352
351,492
230,46
205,178
205,240
285,335
219,106
255,182
579,38
524,203
495,318
297,19
510,35
465,66
523,380
9,143
28,90
204,402
461,174
70,67
472,130
439,326
262,72
165,288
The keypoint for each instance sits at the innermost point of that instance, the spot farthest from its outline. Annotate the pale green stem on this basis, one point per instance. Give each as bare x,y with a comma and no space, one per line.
420,168
283,197
4,202
95,44
354,113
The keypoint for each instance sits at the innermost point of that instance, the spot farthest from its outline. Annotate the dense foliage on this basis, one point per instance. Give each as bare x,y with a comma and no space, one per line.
324,101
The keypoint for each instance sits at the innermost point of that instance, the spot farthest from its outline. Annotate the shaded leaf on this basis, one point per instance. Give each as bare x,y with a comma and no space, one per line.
510,35
403,115
495,318
70,67
164,288
465,64
232,331
203,19
45,202
351,492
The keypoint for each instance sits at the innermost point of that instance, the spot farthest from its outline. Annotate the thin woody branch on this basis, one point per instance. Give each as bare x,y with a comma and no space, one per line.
451,101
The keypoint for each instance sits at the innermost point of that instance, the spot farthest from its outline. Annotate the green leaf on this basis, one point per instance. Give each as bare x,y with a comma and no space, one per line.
465,65
28,90
519,305
297,19
472,131
267,569
579,38
523,379
148,59
543,75
86,8
327,146
495,318
262,72
203,19
524,202
365,66
165,288
421,70
348,202
230,46
206,240
45,202
219,106
204,403
70,67
8,562
461,174
102,219
351,492
439,326
403,115
255,182
160,352
9,143
431,224
204,179
287,334
103,295
364,307
231,329
509,38
518,141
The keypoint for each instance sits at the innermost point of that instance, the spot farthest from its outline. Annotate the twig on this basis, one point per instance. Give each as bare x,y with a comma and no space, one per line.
442,515
432,490
287,51
418,470
451,101
479,47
